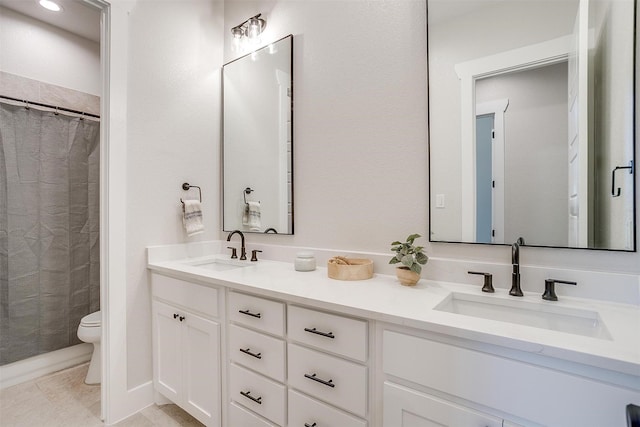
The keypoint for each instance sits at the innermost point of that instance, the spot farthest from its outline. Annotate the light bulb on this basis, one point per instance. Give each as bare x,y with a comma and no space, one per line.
50,5
255,28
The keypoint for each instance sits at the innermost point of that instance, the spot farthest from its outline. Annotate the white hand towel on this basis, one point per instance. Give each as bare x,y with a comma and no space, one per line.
192,217
251,216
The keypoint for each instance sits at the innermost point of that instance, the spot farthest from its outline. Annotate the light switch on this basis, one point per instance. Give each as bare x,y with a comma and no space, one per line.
440,201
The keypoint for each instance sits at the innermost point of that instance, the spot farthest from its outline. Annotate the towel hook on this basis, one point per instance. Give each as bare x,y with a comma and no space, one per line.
615,193
186,186
246,191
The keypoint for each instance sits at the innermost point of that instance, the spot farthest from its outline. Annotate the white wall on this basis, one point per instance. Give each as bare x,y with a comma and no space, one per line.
33,49
360,132
468,37
360,129
535,126
173,136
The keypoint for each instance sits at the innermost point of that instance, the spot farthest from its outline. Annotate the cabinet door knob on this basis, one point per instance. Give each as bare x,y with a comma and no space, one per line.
310,425
181,318
324,334
175,315
247,394
313,377
249,313
247,351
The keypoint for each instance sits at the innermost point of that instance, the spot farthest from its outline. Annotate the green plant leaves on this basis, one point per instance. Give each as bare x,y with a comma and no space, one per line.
409,255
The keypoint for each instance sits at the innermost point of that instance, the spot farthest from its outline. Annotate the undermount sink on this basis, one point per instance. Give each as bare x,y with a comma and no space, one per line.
538,315
217,264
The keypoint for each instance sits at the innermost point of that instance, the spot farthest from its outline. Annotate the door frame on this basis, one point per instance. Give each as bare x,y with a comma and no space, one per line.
528,57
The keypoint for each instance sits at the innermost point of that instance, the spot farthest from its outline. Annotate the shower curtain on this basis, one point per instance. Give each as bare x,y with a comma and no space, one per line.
49,229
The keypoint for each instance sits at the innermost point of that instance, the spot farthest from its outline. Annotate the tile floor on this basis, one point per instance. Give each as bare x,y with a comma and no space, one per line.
63,399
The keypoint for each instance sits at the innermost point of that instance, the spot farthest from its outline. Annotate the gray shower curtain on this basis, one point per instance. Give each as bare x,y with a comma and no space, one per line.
49,229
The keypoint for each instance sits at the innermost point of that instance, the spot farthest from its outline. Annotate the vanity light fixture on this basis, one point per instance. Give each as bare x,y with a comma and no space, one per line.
249,29
50,5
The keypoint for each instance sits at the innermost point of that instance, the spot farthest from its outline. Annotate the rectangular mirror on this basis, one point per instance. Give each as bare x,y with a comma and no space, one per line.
258,140
531,122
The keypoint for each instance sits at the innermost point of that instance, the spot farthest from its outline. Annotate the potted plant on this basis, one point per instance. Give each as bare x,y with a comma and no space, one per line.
412,259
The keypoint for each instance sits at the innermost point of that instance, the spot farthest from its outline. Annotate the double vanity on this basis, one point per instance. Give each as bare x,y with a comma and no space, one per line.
241,343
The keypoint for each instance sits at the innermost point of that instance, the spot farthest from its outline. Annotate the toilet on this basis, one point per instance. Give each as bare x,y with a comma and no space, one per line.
90,331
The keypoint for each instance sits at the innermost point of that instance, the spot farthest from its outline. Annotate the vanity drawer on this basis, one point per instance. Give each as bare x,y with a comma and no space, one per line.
239,416
200,298
304,411
334,380
328,332
261,395
258,313
257,351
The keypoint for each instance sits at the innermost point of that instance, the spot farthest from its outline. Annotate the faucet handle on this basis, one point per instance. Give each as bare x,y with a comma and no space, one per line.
550,288
234,253
488,281
254,254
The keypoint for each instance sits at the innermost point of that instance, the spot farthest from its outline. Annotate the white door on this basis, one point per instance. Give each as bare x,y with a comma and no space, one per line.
578,133
167,333
201,367
404,407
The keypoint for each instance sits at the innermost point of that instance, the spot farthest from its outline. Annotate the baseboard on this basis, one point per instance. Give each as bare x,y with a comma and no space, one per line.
43,364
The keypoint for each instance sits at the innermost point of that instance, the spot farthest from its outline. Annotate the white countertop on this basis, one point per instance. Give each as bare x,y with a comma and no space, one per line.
383,298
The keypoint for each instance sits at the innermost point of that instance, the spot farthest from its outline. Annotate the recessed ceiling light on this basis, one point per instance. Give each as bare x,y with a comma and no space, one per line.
50,5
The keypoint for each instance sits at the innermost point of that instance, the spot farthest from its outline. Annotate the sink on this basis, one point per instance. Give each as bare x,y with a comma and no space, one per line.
217,264
538,315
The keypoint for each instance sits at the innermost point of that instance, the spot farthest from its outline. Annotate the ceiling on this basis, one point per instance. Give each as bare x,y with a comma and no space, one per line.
77,17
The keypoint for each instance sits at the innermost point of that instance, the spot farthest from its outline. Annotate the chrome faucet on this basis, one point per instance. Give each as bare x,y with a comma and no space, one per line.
243,251
515,264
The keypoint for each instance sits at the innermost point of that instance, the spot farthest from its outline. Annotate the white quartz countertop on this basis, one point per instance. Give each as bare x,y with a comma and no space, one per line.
382,298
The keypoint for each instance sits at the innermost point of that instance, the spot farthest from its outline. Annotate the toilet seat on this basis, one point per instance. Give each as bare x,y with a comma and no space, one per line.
92,320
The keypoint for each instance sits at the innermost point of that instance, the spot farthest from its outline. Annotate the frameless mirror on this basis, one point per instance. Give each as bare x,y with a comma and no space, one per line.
531,122
258,139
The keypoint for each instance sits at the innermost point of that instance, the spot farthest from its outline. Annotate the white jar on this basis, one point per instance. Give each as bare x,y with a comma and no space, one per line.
305,261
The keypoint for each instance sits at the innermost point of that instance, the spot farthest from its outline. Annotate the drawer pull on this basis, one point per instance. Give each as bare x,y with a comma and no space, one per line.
321,381
248,313
310,425
324,334
247,351
247,394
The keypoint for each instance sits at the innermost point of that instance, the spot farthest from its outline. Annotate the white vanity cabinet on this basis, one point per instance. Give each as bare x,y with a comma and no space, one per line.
186,346
292,365
257,360
327,368
431,377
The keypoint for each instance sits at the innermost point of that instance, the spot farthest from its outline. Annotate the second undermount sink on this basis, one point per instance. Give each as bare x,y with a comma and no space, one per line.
217,264
538,315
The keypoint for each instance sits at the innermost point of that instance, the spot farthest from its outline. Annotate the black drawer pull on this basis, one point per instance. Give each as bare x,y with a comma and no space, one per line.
324,334
247,394
310,425
248,313
175,315
321,381
256,355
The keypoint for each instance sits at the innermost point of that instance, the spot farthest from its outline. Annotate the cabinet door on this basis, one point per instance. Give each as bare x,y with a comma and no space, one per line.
166,348
201,367
404,407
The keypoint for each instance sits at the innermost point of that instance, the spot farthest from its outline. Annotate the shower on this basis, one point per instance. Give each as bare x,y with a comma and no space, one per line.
49,228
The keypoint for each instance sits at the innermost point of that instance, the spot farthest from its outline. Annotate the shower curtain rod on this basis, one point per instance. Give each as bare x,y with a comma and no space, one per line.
68,110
